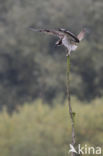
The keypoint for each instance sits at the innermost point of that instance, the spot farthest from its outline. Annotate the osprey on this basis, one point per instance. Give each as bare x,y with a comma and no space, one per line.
66,38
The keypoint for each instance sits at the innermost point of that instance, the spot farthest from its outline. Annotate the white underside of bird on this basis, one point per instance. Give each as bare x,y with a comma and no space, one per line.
70,47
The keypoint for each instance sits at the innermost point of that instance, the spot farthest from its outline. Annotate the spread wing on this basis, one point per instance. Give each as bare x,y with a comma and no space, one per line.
49,32
70,34
81,35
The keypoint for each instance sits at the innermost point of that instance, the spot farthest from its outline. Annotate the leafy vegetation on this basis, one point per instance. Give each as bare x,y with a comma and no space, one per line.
30,64
40,130
33,73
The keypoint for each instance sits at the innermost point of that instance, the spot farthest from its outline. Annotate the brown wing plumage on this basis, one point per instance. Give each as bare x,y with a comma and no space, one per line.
70,34
49,32
61,33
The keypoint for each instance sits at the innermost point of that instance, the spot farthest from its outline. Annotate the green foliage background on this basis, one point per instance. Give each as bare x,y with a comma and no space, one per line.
33,73
39,130
30,64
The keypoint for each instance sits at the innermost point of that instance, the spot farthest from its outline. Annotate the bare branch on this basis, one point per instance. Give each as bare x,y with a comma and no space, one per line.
71,113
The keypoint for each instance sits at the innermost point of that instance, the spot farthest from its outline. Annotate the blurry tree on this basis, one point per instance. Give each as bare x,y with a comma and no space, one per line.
30,64
39,130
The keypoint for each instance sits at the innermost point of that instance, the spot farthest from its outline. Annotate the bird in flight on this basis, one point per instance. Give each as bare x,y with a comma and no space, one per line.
66,38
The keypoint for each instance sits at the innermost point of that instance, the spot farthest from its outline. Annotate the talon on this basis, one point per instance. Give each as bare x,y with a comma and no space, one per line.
68,54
